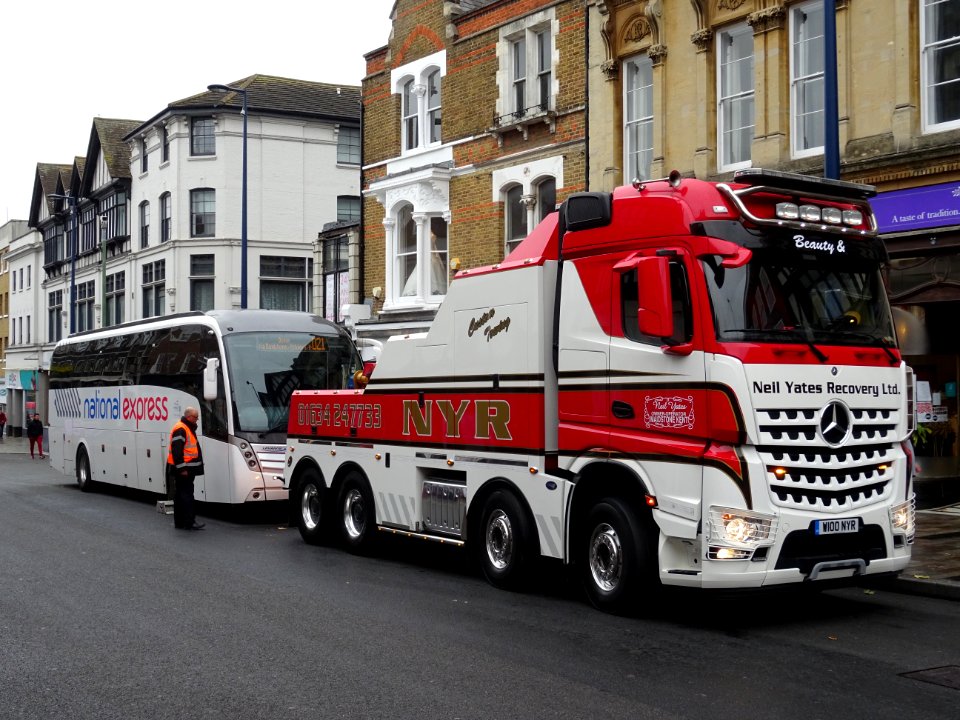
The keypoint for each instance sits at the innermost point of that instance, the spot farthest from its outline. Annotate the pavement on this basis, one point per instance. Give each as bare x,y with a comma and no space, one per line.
934,569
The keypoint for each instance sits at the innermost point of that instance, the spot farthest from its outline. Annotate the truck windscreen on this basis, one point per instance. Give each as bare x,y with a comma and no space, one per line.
825,300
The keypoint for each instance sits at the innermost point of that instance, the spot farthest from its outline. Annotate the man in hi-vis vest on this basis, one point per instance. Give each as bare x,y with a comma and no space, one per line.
184,463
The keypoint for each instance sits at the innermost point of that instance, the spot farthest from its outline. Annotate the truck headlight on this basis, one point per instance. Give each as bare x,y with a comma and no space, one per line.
903,518
740,529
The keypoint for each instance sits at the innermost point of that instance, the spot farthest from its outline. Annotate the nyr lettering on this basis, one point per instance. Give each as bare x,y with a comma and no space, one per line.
490,416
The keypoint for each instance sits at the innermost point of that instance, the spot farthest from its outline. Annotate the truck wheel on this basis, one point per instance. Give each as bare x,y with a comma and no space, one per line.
357,525
84,479
310,508
616,562
505,547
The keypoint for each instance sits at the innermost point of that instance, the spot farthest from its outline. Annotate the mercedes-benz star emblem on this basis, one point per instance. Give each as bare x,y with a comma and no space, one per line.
835,423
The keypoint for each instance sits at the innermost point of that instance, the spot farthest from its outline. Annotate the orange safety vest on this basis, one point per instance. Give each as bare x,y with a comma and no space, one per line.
191,450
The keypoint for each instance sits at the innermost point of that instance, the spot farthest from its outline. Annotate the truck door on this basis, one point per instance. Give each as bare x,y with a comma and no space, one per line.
657,400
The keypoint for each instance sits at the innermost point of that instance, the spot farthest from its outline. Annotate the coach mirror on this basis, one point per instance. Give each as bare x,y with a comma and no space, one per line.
210,379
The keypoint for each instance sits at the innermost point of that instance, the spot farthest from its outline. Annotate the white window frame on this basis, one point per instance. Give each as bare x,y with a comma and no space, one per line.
630,172
511,237
928,51
527,30
410,97
416,75
795,136
530,178
725,98
423,255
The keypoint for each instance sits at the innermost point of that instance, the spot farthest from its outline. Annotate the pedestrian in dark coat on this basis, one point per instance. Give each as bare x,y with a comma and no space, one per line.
35,435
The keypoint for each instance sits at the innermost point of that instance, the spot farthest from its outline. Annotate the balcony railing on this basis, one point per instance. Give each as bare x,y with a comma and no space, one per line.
521,120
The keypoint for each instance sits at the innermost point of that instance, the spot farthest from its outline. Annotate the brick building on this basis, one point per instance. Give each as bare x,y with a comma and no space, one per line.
473,129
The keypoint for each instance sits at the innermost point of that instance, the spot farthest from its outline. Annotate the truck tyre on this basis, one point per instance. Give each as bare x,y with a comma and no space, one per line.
309,508
616,562
505,546
84,478
356,513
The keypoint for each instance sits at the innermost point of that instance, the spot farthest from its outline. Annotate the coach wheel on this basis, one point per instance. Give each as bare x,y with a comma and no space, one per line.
84,479
506,549
310,508
616,561
357,525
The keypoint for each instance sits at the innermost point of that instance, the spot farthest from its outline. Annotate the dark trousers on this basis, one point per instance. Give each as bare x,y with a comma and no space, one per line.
38,441
184,514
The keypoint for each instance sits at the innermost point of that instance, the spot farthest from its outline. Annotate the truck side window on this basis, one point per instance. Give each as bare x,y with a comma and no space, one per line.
682,307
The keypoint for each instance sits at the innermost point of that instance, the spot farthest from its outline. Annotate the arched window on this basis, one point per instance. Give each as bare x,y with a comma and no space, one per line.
406,252
165,217
411,127
420,109
438,256
515,215
638,118
546,197
433,107
144,224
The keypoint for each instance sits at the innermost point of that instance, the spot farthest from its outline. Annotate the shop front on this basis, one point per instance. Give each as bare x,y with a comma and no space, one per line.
921,229
22,399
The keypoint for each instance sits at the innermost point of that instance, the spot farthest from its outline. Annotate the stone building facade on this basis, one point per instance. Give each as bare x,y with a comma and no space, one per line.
710,86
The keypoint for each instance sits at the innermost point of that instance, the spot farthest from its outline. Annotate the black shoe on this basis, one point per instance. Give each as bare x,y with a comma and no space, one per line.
196,526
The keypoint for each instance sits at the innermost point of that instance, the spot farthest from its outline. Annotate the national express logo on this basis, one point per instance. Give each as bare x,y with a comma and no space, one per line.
68,403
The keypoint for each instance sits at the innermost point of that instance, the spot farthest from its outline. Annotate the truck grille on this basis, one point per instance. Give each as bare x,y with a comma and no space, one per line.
804,473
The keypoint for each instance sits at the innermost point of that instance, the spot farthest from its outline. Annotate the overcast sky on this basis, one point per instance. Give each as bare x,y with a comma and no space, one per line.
63,63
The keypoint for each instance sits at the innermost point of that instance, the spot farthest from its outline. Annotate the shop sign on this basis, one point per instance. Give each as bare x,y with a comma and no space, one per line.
918,208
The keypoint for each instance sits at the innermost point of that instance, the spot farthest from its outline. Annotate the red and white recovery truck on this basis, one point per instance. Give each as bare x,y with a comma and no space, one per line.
679,383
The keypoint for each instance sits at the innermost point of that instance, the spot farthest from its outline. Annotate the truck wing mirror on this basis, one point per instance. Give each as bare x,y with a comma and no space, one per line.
655,303
210,379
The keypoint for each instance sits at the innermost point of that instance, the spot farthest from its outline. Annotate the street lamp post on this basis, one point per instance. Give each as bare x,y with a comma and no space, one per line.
74,245
243,192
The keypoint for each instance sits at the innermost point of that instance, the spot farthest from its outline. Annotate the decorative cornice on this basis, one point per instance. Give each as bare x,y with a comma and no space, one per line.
729,4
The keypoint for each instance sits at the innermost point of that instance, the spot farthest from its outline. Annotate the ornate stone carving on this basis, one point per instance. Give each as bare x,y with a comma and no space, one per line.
611,68
703,39
654,13
657,54
729,4
637,30
770,18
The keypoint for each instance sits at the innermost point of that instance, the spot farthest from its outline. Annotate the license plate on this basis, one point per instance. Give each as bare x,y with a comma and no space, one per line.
836,526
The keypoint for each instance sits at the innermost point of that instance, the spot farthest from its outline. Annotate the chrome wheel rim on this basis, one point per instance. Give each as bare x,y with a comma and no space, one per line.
606,557
499,541
354,513
310,507
83,472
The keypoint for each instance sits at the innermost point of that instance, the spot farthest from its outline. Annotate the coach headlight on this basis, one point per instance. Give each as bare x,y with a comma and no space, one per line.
734,534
